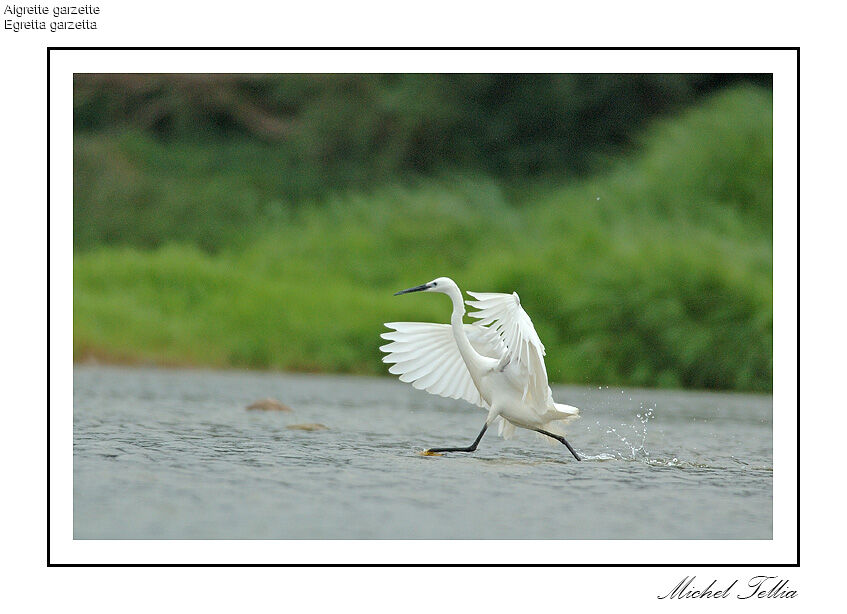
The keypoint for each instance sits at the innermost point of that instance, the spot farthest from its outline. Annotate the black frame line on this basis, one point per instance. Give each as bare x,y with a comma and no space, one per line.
622,565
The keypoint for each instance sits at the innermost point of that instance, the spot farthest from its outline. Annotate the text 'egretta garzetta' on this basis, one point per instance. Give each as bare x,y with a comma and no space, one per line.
496,363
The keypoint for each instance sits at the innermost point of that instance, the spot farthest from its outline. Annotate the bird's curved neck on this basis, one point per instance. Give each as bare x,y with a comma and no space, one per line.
469,354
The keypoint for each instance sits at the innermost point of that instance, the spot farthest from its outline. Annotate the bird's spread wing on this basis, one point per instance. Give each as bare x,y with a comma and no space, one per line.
503,312
426,355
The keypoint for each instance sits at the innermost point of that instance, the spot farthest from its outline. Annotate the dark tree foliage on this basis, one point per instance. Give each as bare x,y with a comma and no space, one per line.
357,129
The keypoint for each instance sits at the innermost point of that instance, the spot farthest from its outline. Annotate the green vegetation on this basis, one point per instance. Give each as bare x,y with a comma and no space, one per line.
201,158
654,272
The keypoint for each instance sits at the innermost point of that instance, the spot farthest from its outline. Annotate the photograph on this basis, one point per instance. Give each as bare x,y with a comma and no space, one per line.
422,305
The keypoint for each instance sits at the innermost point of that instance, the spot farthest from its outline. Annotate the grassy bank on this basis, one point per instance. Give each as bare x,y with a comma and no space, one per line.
656,273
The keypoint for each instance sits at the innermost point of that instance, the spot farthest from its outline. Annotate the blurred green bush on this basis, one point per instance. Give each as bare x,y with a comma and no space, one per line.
656,271
198,157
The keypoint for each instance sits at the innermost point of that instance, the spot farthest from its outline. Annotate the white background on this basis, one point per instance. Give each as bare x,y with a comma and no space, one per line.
157,24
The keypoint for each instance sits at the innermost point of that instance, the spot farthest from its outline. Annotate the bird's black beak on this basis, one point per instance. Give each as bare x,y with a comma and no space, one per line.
415,289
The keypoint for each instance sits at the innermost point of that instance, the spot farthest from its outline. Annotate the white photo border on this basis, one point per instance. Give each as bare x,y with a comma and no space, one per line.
782,550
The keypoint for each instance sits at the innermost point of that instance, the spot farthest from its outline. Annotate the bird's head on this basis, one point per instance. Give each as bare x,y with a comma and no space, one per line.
442,284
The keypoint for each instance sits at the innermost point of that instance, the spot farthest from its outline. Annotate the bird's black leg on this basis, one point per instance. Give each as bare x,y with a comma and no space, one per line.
563,440
470,448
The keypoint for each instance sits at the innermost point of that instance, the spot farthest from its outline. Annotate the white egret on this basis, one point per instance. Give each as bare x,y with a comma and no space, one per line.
496,363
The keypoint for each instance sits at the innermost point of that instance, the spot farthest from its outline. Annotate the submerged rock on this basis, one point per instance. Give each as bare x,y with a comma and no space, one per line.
307,427
269,405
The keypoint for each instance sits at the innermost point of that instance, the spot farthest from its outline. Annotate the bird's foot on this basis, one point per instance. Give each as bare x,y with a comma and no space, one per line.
430,453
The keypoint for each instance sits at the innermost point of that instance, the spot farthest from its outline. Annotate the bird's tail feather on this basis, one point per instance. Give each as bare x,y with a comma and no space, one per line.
506,429
572,412
557,427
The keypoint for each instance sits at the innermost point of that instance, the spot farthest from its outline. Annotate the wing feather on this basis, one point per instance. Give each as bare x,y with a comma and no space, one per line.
504,314
425,355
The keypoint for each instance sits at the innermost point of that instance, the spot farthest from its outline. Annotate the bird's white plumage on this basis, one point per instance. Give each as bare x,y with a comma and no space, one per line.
426,355
496,363
503,312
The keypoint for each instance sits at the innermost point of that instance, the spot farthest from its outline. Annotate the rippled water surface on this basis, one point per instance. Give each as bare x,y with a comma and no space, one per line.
174,454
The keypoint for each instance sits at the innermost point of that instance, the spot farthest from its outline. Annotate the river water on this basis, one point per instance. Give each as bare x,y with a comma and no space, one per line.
175,454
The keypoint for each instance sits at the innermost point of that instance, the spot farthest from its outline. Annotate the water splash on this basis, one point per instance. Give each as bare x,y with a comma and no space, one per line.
631,435
603,456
